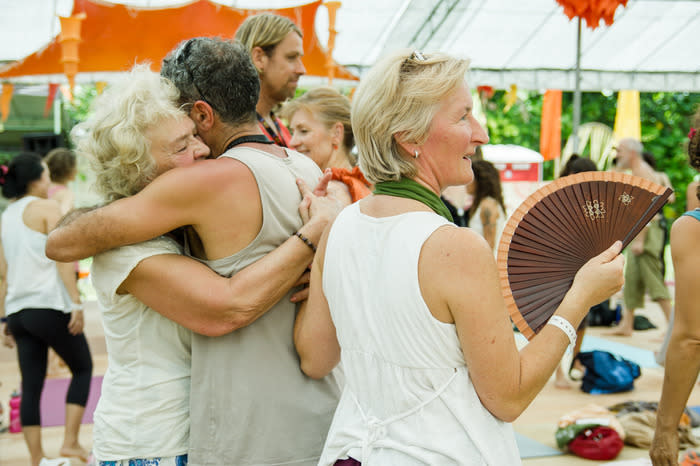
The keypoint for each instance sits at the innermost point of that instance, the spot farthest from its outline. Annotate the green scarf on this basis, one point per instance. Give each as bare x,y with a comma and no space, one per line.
412,190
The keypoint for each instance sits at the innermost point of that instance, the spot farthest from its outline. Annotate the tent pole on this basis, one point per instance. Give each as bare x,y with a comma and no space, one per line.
577,89
57,113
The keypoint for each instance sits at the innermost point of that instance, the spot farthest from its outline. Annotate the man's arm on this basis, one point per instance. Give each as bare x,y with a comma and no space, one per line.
166,203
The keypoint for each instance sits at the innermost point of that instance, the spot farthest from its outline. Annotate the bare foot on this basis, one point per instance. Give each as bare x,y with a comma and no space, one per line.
563,384
74,452
621,332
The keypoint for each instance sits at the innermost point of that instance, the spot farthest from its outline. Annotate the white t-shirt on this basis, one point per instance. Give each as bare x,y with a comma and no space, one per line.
143,411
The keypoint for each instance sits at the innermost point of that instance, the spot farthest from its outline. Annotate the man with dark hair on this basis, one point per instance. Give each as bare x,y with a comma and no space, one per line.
275,45
250,403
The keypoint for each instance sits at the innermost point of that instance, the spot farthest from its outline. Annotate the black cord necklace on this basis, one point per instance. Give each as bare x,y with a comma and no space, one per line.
259,138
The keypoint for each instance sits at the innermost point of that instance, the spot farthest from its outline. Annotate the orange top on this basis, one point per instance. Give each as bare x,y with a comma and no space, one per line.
356,182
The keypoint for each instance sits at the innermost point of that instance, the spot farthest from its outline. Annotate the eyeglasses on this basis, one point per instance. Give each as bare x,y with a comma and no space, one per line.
181,60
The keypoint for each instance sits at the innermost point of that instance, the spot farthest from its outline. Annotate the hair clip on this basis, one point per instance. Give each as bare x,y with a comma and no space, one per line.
691,133
417,56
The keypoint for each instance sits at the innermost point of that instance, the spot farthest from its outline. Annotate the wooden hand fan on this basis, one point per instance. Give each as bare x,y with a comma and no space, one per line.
559,228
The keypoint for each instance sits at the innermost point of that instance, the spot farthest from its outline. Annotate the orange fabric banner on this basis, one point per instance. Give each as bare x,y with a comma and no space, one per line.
550,129
116,36
53,89
5,100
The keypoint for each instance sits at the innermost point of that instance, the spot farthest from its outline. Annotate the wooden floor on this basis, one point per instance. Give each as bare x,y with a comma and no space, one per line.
537,422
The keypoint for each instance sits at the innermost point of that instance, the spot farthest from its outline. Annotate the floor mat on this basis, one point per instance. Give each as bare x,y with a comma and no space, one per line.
530,448
644,358
53,401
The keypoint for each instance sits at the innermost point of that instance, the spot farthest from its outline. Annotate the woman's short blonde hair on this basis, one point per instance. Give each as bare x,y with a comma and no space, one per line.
329,107
400,94
113,136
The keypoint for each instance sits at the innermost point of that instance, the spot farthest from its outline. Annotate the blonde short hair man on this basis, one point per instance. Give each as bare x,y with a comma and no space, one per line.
275,45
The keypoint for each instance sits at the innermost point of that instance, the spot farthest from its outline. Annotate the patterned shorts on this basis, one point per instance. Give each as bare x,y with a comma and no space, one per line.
170,461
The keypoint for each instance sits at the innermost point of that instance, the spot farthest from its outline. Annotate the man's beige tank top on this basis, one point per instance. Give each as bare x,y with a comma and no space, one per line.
250,402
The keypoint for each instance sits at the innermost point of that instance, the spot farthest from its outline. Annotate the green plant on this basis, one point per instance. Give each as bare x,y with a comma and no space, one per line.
665,120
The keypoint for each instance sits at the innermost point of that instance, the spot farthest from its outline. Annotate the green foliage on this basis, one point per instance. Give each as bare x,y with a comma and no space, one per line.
665,121
82,98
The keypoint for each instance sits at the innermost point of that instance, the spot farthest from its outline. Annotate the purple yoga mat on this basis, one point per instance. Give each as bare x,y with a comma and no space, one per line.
53,401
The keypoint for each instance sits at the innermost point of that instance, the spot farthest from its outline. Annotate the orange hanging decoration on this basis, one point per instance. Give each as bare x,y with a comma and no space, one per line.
53,90
69,40
7,90
550,129
332,7
592,10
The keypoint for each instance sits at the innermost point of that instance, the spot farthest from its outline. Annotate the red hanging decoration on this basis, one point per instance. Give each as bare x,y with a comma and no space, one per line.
53,89
592,10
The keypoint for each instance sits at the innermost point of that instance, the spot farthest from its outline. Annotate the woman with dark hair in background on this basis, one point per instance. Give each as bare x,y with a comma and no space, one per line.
63,168
575,164
40,304
487,214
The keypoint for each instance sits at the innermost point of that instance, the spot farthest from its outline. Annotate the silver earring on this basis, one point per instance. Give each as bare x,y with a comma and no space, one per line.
415,154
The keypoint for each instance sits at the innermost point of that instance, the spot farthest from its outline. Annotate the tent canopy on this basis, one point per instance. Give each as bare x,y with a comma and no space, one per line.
115,37
530,43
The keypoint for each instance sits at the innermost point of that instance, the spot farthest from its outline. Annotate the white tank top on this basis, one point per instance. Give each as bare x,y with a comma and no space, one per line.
408,398
32,278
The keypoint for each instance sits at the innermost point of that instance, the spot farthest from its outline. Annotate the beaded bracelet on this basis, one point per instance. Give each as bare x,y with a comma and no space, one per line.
566,327
306,240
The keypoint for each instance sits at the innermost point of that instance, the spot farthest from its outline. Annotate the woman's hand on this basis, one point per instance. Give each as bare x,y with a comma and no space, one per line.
76,324
600,277
319,207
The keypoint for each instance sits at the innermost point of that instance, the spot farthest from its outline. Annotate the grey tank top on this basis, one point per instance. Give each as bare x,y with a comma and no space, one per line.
250,402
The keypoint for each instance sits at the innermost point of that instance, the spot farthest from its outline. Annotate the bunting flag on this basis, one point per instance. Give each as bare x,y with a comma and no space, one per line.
66,92
100,86
550,129
7,89
627,119
53,89
511,97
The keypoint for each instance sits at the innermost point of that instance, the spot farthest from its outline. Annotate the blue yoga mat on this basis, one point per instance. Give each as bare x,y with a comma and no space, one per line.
644,358
530,448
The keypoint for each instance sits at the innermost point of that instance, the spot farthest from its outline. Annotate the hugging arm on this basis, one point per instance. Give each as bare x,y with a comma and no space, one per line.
314,332
165,204
189,293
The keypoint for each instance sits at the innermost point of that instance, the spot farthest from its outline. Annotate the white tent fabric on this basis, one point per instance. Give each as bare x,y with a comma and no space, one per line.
650,46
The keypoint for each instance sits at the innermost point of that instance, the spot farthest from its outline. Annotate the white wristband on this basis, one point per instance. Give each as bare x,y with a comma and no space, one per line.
76,307
565,326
